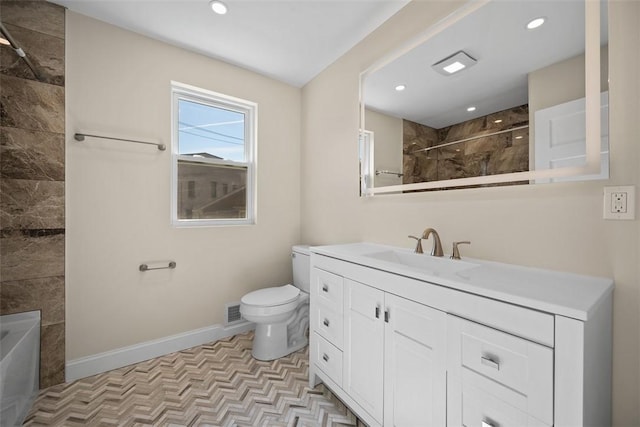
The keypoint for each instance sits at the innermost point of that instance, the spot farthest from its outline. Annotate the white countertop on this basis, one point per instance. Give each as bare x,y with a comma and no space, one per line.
564,294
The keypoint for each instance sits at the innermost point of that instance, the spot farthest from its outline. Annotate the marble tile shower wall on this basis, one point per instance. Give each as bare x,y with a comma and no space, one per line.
503,153
32,218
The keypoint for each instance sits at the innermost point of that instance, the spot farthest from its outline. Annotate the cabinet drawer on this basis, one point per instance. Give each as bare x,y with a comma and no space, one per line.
516,370
482,409
328,358
329,324
328,289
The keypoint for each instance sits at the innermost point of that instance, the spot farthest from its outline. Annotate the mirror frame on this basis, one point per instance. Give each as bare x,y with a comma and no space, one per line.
592,107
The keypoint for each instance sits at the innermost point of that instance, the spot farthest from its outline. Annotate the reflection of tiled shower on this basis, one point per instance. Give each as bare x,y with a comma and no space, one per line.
488,145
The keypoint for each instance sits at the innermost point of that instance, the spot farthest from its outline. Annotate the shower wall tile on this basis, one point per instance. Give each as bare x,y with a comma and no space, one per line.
32,173
32,254
33,205
46,294
31,105
41,16
514,117
27,154
52,355
45,52
419,167
417,136
510,159
486,154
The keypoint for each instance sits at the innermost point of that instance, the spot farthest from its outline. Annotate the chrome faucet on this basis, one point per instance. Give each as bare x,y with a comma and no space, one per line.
436,250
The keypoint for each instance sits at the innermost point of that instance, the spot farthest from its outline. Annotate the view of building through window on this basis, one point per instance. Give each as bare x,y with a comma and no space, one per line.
212,162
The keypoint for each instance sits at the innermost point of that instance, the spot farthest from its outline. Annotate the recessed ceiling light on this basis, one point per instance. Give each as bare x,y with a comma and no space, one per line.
454,63
536,23
218,7
470,109
497,121
400,88
4,41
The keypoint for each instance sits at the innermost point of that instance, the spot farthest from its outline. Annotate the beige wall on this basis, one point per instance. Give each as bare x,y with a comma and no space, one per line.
387,145
555,226
558,83
118,193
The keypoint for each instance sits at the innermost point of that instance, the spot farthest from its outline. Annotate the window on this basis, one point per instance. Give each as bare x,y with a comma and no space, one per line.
214,143
214,189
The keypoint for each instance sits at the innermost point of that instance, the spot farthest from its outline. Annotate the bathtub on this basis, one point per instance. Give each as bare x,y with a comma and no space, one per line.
19,365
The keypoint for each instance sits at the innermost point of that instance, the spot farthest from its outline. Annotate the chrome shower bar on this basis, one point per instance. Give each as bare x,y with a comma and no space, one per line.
80,137
446,144
145,267
386,172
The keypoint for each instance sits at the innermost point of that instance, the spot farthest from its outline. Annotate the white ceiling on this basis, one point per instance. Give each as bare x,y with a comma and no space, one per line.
289,40
506,52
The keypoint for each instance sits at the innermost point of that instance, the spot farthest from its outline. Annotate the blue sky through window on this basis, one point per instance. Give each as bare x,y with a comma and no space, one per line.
207,129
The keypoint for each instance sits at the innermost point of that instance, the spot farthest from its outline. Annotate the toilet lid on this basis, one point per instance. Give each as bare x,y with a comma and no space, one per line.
270,297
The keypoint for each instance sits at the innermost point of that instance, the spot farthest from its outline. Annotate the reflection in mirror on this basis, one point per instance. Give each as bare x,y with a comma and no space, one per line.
486,96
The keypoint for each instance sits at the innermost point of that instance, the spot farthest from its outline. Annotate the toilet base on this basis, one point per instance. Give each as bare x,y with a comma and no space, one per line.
270,342
275,340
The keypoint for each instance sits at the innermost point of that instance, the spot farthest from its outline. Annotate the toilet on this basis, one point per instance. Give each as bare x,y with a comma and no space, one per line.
281,313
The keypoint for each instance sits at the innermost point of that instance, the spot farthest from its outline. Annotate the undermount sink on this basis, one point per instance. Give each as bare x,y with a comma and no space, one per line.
429,264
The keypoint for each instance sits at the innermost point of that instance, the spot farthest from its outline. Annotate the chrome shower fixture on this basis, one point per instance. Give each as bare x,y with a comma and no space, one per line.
18,49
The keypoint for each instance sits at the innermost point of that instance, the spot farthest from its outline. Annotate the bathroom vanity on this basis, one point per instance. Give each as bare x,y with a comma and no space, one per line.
413,340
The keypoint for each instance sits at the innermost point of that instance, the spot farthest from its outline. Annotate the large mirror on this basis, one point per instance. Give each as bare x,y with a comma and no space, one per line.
501,92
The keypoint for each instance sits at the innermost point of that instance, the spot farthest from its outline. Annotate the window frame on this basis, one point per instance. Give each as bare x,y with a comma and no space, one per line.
181,91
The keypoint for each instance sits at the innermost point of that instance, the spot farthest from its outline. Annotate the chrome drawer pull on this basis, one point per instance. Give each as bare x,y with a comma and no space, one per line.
487,361
326,322
488,424
325,288
325,357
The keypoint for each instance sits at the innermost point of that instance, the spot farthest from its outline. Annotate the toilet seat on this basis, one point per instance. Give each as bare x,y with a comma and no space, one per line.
271,297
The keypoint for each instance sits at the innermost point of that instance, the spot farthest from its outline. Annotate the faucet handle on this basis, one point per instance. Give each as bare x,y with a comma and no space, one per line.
455,253
418,249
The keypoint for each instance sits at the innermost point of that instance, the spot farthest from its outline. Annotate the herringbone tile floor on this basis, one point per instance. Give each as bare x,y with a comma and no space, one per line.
217,384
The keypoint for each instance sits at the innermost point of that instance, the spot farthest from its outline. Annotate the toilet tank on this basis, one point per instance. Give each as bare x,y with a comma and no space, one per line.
301,259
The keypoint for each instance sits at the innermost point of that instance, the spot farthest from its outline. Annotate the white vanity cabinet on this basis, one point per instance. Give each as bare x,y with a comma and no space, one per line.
474,344
394,364
364,349
326,324
415,364
497,379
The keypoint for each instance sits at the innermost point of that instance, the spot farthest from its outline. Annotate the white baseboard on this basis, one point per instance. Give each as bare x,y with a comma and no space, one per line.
113,359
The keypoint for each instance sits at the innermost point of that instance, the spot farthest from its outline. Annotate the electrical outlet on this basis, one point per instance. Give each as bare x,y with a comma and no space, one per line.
619,202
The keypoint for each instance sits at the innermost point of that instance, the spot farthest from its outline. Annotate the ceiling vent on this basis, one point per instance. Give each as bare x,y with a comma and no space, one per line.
455,63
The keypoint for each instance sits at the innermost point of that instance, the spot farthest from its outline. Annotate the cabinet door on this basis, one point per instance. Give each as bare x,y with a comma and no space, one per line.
364,346
415,365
